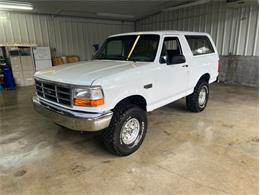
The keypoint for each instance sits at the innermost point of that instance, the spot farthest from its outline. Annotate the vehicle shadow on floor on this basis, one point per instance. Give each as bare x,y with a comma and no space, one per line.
177,106
86,142
91,142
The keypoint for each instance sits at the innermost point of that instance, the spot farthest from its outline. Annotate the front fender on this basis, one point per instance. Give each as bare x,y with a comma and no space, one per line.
125,95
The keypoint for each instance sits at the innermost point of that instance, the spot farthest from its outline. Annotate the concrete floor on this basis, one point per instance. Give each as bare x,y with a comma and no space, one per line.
213,152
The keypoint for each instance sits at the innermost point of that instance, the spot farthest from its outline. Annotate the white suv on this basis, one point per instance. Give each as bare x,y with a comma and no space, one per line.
131,74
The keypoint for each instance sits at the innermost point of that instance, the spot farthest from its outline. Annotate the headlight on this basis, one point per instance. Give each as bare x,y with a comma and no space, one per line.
88,96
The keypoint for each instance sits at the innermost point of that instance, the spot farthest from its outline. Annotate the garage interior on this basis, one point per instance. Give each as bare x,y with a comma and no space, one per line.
212,152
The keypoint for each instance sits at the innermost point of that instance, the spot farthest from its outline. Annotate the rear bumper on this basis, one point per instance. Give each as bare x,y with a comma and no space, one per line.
76,120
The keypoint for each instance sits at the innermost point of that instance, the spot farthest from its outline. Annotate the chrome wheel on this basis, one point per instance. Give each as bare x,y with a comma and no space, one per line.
203,96
130,131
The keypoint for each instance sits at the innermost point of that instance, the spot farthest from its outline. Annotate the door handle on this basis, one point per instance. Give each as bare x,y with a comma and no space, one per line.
186,65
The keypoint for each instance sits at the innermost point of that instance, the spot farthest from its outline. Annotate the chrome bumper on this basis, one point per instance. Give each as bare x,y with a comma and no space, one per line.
76,120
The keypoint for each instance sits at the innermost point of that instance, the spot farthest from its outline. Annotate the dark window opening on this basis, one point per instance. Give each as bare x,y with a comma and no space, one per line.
171,50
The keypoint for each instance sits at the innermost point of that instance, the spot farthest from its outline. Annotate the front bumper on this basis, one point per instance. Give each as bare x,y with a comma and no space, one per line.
76,120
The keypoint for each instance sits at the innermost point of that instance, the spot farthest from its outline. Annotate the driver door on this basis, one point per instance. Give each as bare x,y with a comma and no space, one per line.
173,80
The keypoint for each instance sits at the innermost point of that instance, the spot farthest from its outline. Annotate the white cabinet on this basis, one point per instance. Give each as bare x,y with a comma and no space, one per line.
22,65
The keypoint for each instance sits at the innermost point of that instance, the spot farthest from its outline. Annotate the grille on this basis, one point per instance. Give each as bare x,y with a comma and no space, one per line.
54,92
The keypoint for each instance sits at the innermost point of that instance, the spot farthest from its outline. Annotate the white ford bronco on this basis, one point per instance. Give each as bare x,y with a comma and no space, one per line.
130,75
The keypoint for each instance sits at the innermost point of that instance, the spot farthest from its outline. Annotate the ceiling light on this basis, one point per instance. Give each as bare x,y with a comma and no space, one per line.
195,3
115,15
15,6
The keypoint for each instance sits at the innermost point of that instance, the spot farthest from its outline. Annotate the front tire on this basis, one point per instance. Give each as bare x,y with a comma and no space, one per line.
126,131
197,101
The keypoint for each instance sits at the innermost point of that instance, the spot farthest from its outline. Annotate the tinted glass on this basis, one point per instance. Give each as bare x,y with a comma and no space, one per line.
114,48
171,48
199,45
146,48
118,48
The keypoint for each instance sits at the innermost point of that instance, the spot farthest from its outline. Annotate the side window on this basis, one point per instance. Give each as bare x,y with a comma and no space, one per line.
171,51
199,45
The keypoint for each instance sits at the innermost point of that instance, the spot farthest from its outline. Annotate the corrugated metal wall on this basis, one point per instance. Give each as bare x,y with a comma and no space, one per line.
235,30
70,36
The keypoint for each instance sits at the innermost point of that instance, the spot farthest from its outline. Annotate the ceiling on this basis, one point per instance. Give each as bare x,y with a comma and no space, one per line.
118,10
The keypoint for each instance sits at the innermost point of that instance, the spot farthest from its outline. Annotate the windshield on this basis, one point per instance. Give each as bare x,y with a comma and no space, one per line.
129,47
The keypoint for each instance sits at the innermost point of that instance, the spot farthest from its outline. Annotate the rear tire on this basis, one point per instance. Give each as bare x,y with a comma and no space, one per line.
126,131
197,101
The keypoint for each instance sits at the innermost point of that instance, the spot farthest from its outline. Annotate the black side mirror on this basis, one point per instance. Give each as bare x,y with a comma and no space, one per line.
176,59
163,59
96,47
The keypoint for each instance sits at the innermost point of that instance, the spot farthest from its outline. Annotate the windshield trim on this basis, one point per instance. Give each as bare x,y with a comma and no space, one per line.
133,47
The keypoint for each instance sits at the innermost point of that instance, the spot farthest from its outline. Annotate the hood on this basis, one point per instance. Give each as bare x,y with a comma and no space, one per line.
84,73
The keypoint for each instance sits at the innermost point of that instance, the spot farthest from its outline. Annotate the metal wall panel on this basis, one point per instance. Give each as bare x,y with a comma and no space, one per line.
234,29
69,36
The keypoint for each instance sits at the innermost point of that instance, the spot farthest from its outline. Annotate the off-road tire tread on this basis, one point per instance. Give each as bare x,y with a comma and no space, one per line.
192,101
108,134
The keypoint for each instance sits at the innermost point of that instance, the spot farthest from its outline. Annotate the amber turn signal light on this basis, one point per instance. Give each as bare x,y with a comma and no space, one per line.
84,102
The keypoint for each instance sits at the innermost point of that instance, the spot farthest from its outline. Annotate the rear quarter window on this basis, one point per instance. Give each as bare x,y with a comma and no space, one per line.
199,45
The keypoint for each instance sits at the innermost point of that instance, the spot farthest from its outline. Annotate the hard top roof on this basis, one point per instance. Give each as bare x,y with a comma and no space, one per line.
163,32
